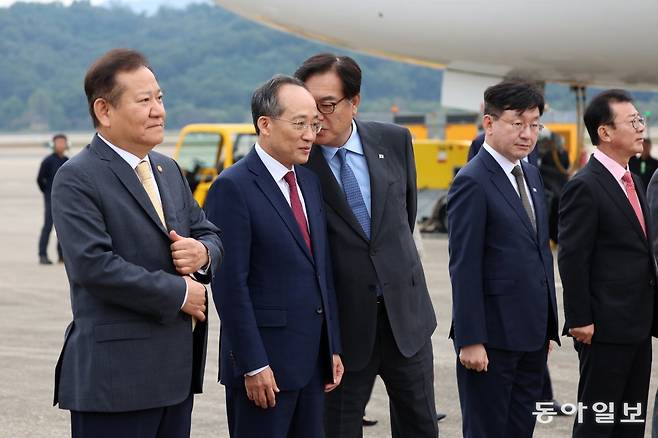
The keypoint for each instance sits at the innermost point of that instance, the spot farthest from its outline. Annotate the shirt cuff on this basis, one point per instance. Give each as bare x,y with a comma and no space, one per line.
204,269
254,372
185,299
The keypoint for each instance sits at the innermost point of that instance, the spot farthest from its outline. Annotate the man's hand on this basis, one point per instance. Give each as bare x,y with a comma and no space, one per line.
189,254
474,357
337,371
583,334
261,388
195,305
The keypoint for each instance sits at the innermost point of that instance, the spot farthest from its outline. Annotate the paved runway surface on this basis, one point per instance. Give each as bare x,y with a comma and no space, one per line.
35,310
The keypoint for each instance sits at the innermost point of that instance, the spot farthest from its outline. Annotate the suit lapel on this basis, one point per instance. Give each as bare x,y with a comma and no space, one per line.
312,202
616,193
161,179
379,176
331,191
504,186
271,190
128,179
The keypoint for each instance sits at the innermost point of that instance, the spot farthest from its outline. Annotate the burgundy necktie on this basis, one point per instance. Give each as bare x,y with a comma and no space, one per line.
632,197
297,209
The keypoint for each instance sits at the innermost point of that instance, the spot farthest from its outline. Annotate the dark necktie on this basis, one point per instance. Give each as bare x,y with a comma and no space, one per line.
353,192
520,182
297,209
632,197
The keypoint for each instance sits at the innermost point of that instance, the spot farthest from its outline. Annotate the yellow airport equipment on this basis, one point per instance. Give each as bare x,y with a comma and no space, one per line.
461,131
438,161
569,132
203,150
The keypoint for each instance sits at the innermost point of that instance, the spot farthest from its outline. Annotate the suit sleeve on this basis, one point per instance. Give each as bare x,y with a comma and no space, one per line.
652,202
42,180
204,231
92,264
227,209
577,229
412,193
467,219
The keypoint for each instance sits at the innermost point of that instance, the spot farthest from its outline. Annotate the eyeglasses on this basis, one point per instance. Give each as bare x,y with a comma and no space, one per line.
316,127
329,107
520,126
638,123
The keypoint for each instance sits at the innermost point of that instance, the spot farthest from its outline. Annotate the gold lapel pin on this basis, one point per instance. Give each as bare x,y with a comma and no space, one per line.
159,168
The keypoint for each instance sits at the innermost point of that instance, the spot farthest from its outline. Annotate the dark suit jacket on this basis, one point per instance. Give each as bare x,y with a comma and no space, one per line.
606,263
274,298
503,289
129,347
389,260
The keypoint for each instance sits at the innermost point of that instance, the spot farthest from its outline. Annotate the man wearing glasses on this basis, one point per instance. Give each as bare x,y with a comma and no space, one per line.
279,340
608,273
368,178
504,308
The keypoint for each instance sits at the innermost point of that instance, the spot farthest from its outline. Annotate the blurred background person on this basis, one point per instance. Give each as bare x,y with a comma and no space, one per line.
644,165
47,171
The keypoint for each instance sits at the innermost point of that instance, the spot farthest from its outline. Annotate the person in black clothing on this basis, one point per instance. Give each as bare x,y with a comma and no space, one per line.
645,165
47,171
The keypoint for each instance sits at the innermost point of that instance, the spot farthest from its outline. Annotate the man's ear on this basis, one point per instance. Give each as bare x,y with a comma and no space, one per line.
264,125
604,133
102,111
356,100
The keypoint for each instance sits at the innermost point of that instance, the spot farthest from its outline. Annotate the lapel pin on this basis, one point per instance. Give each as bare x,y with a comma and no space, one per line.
534,190
159,168
381,156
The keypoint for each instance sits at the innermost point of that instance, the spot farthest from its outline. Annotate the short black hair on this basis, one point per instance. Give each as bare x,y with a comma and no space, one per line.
100,80
58,136
265,101
514,94
345,67
599,113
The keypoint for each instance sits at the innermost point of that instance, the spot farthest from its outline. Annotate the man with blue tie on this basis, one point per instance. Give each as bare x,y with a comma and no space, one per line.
279,340
501,269
368,176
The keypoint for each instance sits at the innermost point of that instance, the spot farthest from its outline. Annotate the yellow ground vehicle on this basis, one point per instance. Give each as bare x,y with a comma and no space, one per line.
203,150
438,161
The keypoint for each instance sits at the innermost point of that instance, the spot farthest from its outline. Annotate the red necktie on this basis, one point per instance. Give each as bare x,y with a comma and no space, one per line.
297,209
632,196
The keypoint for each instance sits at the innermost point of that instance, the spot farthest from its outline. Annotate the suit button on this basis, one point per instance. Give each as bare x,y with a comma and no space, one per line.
652,283
319,311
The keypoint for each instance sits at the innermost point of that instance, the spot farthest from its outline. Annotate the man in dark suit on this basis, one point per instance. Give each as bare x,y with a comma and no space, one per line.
368,181
49,167
608,271
501,268
279,340
134,354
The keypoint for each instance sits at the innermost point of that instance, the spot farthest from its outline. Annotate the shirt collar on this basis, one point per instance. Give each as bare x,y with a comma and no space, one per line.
276,169
502,161
616,169
132,160
353,144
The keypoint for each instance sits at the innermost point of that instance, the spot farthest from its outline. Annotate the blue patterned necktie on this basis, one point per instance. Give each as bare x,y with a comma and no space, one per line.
353,193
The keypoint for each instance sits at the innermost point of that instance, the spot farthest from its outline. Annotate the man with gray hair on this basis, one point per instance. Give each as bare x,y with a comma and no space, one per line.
279,340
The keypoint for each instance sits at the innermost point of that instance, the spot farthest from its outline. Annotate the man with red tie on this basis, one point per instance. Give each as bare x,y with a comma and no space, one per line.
279,339
608,272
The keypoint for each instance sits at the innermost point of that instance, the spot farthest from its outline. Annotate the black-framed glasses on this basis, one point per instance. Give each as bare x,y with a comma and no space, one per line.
301,125
329,107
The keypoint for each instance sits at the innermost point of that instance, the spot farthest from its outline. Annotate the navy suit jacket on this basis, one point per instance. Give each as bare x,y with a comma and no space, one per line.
274,297
129,347
501,270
